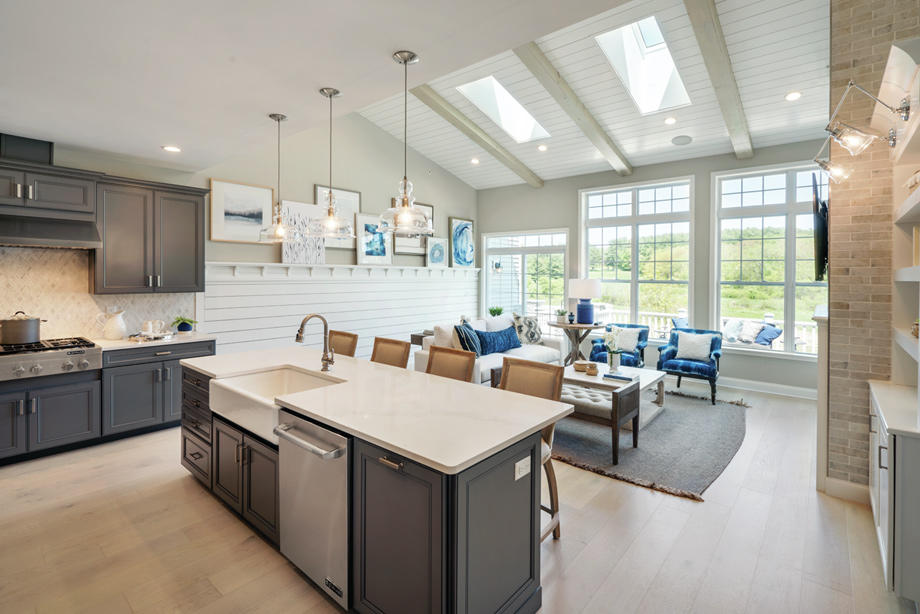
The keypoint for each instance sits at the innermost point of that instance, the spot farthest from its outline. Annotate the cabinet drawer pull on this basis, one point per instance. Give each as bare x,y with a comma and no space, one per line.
149,282
159,282
388,463
18,190
31,195
197,403
237,455
166,371
162,353
196,381
22,407
196,455
880,466
33,406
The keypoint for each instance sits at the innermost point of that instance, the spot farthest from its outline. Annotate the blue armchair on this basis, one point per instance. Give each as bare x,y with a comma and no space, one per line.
697,369
627,359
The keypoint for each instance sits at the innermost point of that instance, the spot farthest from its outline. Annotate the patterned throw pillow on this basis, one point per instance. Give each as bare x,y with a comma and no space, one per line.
528,329
468,339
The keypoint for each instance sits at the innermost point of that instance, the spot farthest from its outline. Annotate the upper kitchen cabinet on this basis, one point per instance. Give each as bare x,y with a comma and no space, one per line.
47,192
152,239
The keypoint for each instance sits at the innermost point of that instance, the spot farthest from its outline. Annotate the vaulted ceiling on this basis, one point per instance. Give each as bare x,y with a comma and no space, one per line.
773,47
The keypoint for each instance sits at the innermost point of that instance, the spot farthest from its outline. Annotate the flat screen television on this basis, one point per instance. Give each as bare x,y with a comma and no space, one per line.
819,208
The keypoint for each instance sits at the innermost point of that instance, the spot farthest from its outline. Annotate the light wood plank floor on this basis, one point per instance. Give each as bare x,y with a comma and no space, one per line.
123,528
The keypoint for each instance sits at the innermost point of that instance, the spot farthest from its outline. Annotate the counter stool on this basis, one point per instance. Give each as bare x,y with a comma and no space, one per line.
342,343
391,352
451,362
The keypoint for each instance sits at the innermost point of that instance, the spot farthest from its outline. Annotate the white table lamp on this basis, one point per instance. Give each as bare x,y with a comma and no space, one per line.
584,290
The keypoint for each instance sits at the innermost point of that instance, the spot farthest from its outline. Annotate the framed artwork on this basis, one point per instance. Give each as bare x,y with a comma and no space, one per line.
436,252
416,245
348,204
239,211
373,247
311,250
462,243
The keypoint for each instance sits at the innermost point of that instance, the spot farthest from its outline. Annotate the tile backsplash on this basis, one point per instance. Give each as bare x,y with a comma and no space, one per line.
53,284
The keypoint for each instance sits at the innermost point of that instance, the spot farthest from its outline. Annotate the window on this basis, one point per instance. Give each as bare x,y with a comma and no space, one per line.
641,59
526,274
637,242
502,108
765,263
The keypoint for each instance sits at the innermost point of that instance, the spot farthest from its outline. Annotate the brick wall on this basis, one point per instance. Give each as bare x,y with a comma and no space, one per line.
860,231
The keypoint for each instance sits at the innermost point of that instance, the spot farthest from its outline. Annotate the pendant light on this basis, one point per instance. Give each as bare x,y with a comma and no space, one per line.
331,226
404,219
277,231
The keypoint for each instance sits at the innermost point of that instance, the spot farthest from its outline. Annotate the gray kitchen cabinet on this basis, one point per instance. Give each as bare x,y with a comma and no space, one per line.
398,508
196,457
61,415
179,246
227,471
132,397
260,487
73,195
172,391
125,221
12,424
11,187
152,240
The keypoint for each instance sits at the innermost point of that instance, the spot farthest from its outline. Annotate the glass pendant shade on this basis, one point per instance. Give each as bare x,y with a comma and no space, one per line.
278,231
837,172
853,140
330,226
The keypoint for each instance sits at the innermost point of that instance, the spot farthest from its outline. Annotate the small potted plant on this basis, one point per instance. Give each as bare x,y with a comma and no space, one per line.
613,351
496,311
560,316
184,325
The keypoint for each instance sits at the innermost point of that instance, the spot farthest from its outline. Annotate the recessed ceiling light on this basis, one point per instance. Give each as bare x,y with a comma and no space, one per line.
542,147
670,120
171,148
682,139
474,161
793,96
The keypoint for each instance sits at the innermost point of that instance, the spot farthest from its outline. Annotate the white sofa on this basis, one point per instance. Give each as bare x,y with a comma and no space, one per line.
548,350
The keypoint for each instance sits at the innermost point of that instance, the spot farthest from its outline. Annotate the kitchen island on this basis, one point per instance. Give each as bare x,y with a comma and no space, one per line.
441,478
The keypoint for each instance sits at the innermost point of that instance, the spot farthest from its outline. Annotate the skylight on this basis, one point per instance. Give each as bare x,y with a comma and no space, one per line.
643,62
501,107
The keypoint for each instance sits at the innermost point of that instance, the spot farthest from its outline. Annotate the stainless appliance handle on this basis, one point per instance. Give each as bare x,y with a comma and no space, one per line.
284,431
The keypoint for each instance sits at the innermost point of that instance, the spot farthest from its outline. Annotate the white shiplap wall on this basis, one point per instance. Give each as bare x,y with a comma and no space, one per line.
254,306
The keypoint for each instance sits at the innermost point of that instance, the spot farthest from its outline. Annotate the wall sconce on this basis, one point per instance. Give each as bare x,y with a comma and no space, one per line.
854,140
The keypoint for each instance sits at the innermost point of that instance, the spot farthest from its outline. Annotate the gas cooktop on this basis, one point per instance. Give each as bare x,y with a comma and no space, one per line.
45,345
48,357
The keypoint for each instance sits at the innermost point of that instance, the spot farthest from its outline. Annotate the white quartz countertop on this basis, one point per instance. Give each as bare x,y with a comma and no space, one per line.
121,344
897,407
441,423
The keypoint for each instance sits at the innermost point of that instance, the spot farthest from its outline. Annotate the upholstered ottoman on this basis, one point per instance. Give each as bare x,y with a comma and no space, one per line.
599,404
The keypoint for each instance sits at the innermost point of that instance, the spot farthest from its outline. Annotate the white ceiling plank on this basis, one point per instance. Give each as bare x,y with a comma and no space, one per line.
461,122
541,68
708,30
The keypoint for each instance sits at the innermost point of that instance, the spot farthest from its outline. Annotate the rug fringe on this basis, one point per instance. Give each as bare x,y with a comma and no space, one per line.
635,481
680,393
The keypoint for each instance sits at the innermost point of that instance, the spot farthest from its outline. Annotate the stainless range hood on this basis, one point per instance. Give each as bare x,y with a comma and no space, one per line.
35,232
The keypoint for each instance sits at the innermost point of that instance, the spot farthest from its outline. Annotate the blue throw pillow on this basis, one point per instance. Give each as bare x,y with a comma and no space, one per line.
768,335
680,322
469,340
498,341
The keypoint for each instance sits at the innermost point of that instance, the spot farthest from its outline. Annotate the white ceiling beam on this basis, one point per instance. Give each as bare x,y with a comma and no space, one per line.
464,124
557,87
709,37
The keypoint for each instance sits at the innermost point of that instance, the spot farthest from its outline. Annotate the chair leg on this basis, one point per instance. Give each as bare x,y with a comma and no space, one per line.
678,381
712,386
553,500
635,427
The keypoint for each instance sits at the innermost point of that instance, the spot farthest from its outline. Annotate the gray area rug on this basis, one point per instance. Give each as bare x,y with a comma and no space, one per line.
681,452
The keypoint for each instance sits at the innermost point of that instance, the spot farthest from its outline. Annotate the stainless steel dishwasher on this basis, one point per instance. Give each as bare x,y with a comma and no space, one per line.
313,480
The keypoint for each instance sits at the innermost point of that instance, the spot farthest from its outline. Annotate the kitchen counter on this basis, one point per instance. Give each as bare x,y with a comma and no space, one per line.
441,423
121,344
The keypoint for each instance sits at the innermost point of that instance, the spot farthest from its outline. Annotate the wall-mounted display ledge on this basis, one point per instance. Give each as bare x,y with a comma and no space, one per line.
256,271
908,343
909,273
901,80
909,210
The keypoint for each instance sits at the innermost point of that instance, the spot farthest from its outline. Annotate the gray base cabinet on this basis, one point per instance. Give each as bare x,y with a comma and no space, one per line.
427,542
12,424
62,415
245,476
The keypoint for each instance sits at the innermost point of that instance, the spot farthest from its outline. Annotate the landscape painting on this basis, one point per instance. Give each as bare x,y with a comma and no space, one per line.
239,211
373,247
462,243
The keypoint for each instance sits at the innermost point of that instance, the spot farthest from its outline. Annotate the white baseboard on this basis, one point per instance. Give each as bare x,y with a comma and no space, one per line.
835,487
735,383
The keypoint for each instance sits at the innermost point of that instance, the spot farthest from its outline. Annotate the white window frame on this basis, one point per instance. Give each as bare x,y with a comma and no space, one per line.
789,210
524,251
634,221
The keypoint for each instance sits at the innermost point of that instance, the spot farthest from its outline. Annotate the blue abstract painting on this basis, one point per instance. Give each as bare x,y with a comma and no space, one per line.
374,242
437,252
462,243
